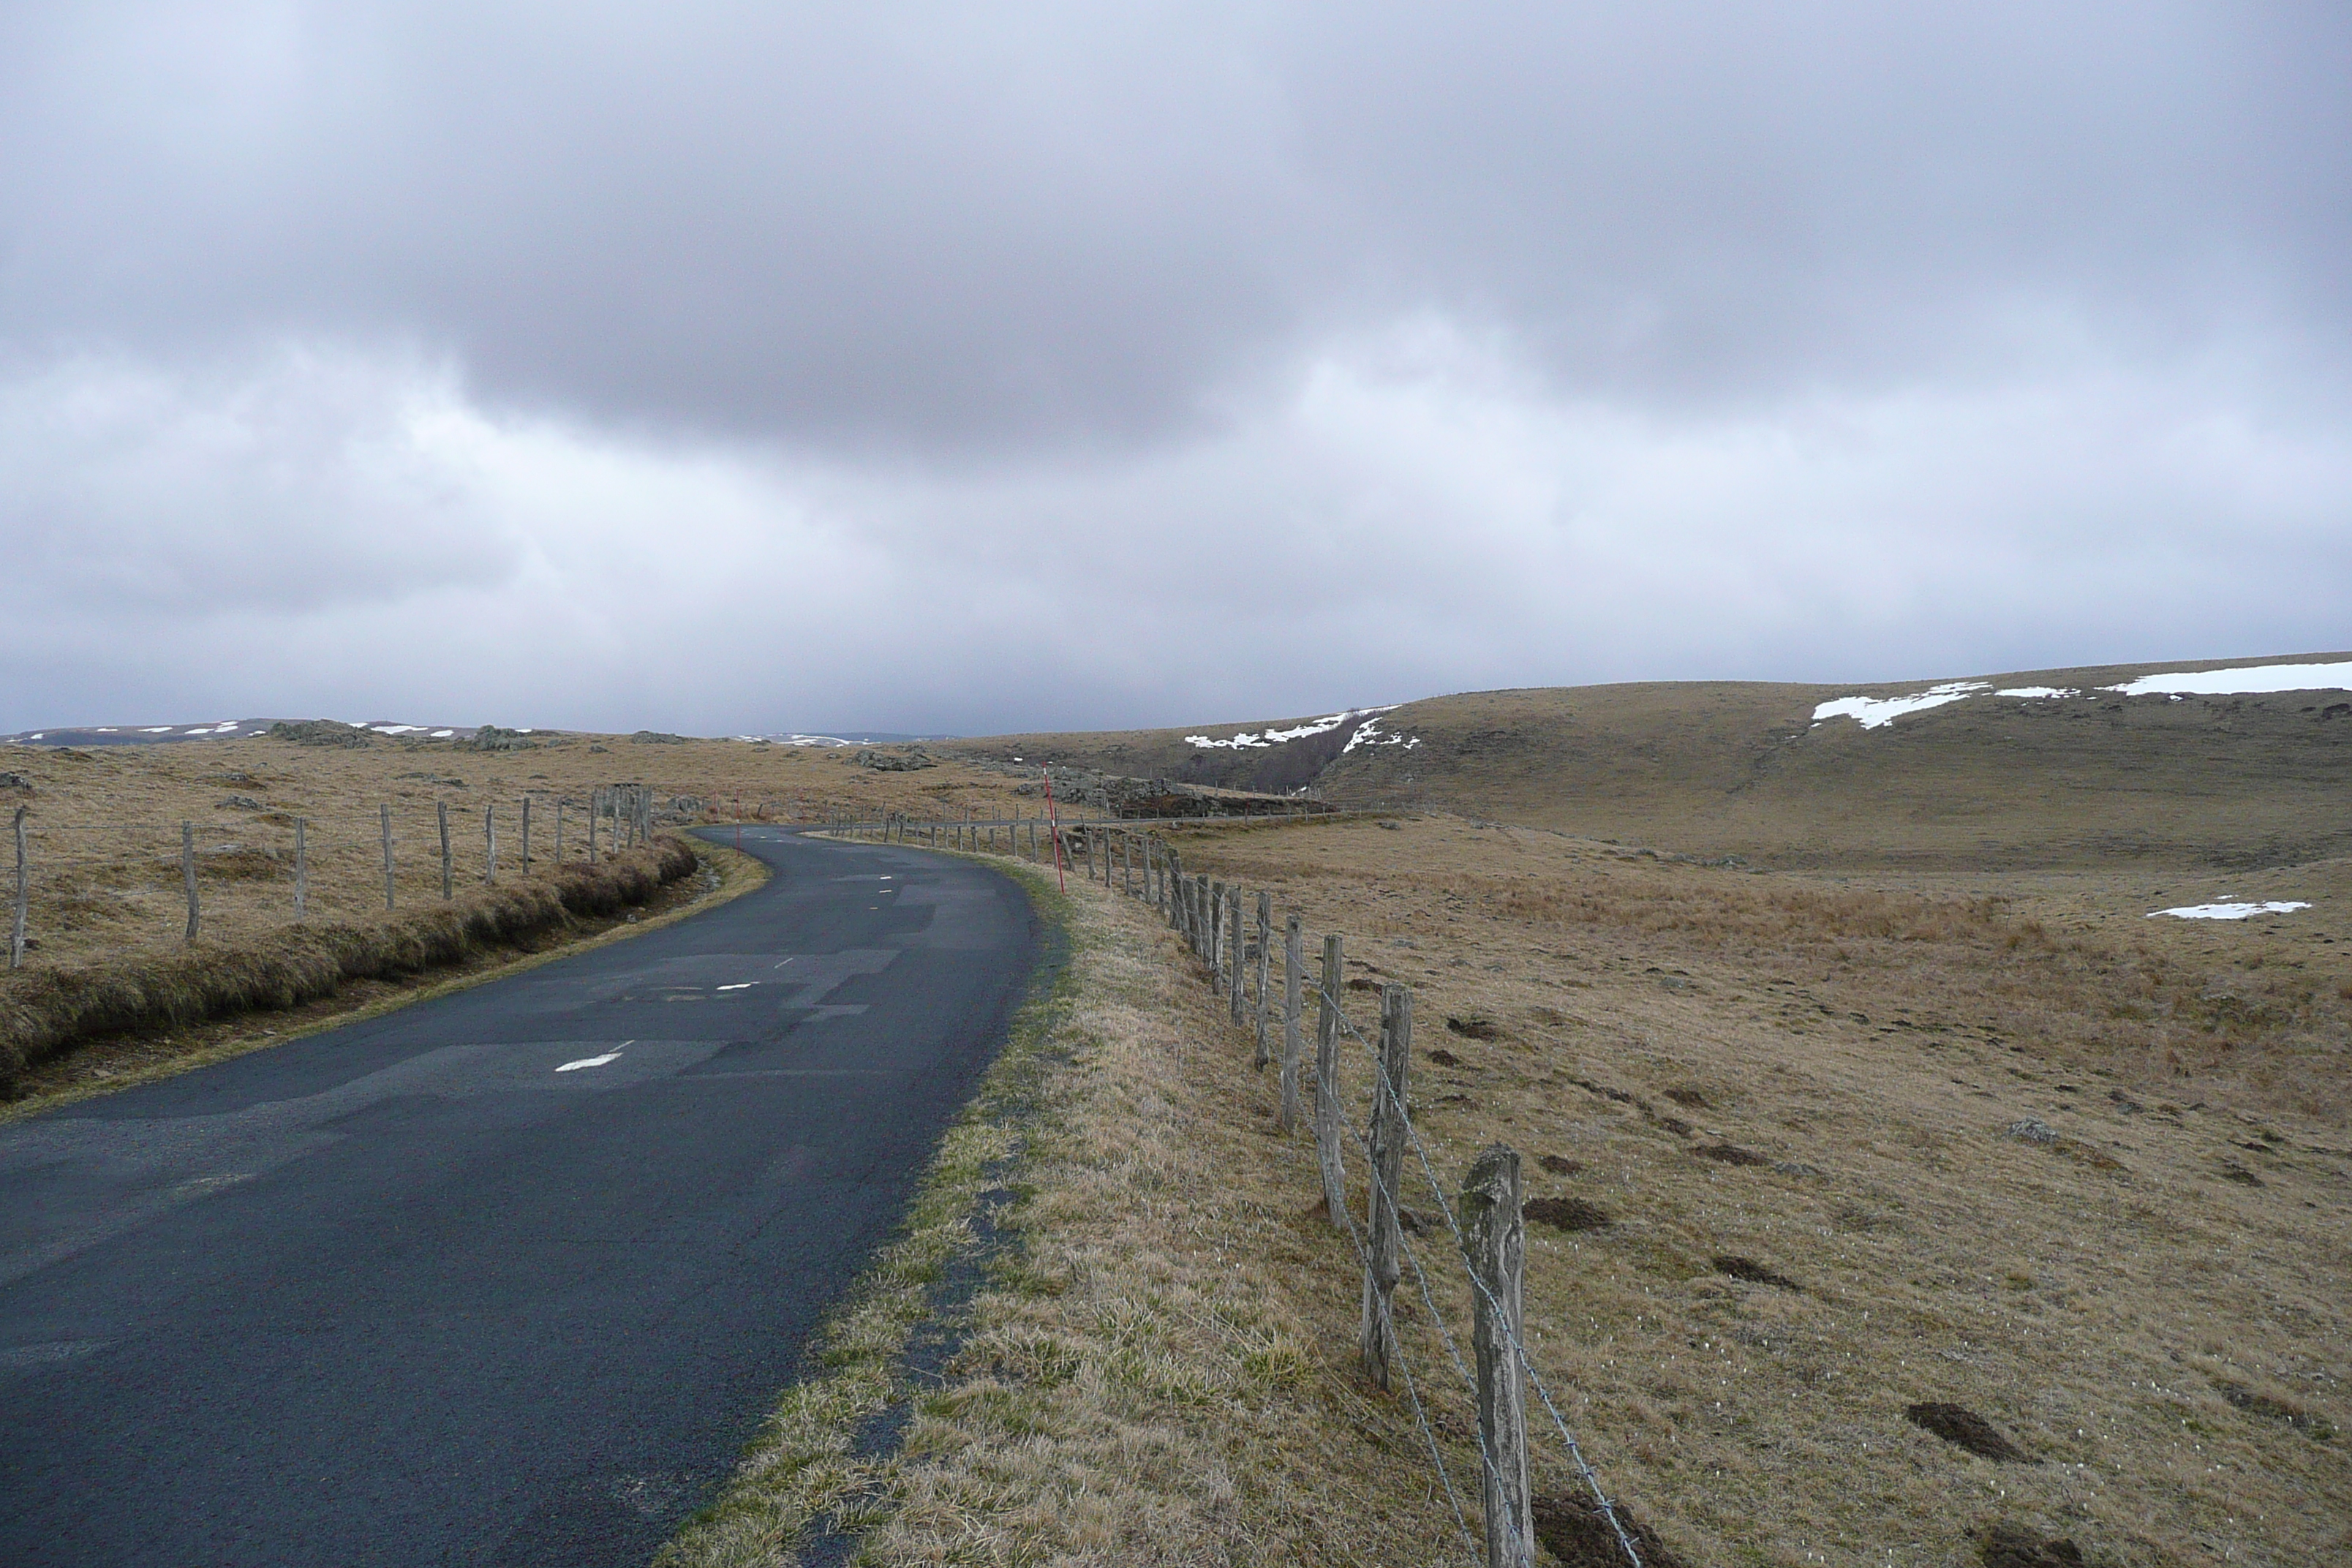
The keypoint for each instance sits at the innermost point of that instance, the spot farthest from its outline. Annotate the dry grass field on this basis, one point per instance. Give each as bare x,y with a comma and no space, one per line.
1812,1152
1851,1072
104,822
1739,768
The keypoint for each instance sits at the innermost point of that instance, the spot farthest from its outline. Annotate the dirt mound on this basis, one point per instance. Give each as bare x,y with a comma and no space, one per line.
1958,1423
2010,1545
1568,1214
1574,1529
1755,1273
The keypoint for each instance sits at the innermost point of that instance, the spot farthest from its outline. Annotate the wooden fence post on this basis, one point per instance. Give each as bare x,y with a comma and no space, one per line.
1217,933
490,845
526,835
301,870
188,874
595,804
1265,969
387,819
1236,957
1386,1244
1326,1085
443,809
22,899
1294,966
558,830
1495,1245
1126,864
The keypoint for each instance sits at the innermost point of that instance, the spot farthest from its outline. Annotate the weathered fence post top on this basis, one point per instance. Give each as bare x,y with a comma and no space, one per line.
1495,1245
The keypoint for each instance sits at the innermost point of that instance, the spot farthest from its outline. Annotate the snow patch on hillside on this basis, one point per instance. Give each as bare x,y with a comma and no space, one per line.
1250,740
1368,733
2233,910
1875,712
2247,680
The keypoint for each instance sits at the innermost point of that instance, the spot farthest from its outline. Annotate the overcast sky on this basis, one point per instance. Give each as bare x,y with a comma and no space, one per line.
942,367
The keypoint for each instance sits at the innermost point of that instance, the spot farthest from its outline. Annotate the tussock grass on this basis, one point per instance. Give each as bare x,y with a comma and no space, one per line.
43,1012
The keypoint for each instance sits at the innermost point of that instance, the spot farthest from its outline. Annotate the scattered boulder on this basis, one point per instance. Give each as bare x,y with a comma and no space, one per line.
1476,1027
2027,1130
655,737
243,803
490,738
321,733
905,761
16,782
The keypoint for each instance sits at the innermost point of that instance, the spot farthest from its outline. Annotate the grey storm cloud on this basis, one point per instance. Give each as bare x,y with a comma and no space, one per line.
394,308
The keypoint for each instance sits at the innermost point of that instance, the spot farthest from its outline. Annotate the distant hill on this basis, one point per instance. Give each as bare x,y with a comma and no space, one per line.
1958,777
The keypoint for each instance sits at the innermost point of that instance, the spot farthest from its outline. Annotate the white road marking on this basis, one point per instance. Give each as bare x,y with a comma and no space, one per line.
611,1056
743,986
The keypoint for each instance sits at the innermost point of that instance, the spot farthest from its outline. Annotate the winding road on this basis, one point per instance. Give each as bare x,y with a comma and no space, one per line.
507,1276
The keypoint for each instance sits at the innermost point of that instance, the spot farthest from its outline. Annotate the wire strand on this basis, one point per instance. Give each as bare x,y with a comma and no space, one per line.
1502,1320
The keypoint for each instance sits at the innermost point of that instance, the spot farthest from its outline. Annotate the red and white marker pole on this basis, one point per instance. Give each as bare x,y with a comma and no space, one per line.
1054,831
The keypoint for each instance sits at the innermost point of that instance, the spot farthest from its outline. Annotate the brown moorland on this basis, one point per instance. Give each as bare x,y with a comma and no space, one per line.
1739,768
1904,1189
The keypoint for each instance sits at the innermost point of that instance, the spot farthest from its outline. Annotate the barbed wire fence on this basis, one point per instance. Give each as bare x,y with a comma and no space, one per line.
1484,1221
174,881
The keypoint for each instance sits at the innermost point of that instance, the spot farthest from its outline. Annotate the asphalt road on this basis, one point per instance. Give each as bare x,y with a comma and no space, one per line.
507,1276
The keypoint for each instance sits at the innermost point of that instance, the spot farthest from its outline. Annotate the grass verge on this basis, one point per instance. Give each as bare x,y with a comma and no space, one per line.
462,947
1155,1360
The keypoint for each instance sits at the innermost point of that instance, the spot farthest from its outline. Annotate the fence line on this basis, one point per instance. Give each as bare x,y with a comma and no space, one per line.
1209,916
77,860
